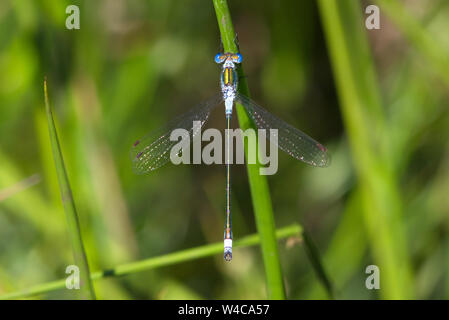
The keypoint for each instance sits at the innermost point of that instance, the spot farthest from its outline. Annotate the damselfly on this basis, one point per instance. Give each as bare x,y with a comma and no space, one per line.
153,150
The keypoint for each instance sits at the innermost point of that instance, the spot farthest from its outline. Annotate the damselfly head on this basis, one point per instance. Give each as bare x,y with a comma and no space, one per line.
228,57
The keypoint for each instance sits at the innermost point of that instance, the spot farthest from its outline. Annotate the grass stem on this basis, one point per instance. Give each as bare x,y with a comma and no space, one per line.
157,262
258,184
86,287
360,103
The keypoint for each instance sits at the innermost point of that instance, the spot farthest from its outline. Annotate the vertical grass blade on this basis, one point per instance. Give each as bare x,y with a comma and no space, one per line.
258,184
360,102
431,50
315,259
86,288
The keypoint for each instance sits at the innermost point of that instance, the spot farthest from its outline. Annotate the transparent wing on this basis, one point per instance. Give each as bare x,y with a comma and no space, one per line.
290,140
153,150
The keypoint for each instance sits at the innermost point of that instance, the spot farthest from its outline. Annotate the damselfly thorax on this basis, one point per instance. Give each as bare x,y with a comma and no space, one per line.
229,78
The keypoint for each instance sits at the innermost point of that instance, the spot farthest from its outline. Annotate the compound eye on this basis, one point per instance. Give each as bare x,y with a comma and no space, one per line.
237,58
219,58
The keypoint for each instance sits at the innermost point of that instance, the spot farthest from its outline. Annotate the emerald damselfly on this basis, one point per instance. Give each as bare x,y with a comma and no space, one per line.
153,150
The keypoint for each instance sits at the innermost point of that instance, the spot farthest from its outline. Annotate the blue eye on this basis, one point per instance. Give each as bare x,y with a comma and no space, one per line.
237,58
219,58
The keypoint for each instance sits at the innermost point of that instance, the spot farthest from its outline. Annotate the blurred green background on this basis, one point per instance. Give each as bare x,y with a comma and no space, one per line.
136,64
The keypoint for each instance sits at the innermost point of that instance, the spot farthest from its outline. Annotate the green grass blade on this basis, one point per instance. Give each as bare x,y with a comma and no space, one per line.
357,90
258,184
86,287
430,49
314,257
157,262
348,237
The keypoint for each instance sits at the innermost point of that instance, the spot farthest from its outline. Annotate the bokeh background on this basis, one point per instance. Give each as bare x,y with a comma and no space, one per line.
136,64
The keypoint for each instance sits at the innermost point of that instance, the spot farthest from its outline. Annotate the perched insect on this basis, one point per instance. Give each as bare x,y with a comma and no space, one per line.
153,151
